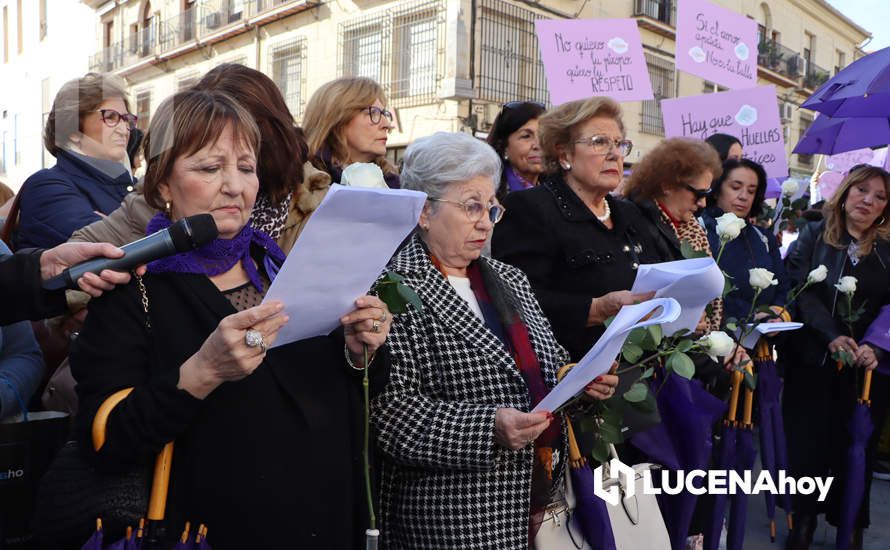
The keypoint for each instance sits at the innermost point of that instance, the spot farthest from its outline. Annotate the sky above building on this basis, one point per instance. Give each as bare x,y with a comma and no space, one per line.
872,15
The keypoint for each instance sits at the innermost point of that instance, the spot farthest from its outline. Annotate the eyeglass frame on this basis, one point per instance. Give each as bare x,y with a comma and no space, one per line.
372,109
130,118
466,208
699,193
615,144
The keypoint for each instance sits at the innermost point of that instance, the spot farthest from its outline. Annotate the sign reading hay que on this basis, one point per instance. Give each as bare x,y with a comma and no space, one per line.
593,57
751,115
716,44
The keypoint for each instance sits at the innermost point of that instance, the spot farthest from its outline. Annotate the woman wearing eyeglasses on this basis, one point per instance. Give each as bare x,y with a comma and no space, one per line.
87,131
465,465
514,136
575,241
346,121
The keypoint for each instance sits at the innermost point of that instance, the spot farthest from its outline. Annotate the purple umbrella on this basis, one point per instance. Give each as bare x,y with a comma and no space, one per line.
862,89
201,538
688,413
725,460
830,136
878,334
745,454
95,541
773,447
591,514
860,428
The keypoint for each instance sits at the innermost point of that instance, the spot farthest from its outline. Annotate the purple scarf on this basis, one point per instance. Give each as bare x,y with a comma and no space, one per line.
515,182
219,255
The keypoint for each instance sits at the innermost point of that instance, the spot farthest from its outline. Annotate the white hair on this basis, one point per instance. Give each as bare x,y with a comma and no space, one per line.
434,162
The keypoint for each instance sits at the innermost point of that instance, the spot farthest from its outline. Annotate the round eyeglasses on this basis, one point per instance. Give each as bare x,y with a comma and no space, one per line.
376,113
476,210
112,118
603,145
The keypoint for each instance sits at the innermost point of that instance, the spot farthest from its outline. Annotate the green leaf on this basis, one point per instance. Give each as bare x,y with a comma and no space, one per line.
636,393
732,327
637,336
689,252
610,432
647,374
750,380
685,345
407,293
647,405
655,334
631,353
727,286
600,451
681,364
390,288
681,332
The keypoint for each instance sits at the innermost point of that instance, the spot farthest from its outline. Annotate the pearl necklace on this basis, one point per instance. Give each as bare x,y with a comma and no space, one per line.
606,215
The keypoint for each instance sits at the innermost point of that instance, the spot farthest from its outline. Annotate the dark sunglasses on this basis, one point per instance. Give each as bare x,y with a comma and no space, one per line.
699,193
514,104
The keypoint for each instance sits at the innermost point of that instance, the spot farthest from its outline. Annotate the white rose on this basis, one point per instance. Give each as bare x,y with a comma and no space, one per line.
847,285
717,344
761,278
729,226
363,174
790,188
817,275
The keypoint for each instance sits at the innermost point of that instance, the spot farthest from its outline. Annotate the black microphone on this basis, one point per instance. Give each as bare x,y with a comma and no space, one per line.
184,235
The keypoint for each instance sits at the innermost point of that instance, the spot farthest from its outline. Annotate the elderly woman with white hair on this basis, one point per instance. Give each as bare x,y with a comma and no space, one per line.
465,465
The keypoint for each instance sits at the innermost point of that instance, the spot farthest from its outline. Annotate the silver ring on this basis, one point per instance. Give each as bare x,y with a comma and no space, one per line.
254,338
375,328
383,317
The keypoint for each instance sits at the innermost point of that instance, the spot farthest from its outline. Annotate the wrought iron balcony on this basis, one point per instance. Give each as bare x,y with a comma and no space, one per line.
815,77
779,59
664,11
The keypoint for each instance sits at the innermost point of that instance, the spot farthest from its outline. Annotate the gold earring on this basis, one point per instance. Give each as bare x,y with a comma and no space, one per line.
167,209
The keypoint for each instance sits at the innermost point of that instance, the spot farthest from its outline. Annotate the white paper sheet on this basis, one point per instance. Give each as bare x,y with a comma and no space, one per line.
760,329
603,353
693,283
344,247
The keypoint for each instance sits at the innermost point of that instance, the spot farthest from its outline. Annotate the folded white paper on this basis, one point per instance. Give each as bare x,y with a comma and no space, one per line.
693,283
344,247
599,359
760,329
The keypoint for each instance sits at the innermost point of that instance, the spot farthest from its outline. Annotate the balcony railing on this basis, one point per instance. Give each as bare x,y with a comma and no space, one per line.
779,59
197,22
660,10
815,77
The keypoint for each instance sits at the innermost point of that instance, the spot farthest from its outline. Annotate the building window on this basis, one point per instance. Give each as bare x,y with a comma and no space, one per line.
143,109
186,81
400,48
509,67
660,10
841,61
288,62
661,73
42,14
363,51
415,47
805,122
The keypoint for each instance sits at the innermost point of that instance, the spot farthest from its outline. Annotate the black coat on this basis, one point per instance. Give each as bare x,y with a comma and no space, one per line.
656,230
569,256
20,291
273,460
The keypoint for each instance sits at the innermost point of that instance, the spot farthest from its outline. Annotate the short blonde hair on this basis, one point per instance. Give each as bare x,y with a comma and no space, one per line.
332,107
185,123
836,216
76,99
558,127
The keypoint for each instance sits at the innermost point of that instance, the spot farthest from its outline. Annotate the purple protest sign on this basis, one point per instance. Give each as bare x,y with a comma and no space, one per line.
593,57
751,115
717,44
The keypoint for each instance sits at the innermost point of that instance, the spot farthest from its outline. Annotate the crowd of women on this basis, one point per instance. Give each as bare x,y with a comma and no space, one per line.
268,441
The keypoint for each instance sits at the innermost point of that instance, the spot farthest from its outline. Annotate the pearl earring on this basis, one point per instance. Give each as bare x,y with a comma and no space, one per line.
566,165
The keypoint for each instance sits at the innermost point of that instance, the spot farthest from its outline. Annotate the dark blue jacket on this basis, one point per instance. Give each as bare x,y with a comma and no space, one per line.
754,247
58,201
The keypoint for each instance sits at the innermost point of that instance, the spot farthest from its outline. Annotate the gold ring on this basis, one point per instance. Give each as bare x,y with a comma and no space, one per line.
375,328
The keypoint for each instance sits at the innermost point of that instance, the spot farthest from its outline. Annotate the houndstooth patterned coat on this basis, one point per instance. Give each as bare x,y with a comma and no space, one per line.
446,484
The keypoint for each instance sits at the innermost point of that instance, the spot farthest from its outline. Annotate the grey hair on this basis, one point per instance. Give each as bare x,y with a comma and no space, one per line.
434,162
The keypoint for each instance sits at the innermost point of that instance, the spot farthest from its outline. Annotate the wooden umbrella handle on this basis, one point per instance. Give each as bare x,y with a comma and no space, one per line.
866,388
749,401
160,482
737,378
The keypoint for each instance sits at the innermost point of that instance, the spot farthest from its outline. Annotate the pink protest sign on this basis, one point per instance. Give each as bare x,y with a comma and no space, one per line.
717,44
590,57
751,115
